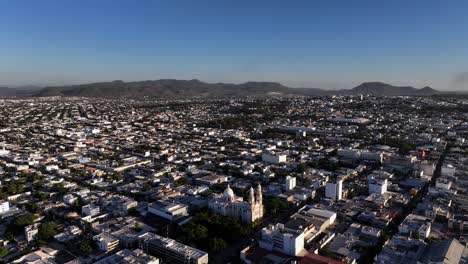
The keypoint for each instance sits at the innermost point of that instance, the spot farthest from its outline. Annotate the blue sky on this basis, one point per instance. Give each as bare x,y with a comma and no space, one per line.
329,43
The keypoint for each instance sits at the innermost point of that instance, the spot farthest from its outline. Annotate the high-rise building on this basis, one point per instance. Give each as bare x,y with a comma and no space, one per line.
290,183
334,190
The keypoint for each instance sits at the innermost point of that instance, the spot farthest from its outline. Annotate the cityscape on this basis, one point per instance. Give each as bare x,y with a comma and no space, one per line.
329,179
233,132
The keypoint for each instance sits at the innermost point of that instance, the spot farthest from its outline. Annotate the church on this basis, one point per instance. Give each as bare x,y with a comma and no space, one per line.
228,204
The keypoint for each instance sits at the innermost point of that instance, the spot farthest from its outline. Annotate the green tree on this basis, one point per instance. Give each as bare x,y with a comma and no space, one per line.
274,205
3,251
24,220
86,247
301,168
325,251
11,188
195,232
32,207
42,195
47,231
60,188
217,244
19,188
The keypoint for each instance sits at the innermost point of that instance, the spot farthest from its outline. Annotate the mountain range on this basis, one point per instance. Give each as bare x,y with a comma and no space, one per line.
171,88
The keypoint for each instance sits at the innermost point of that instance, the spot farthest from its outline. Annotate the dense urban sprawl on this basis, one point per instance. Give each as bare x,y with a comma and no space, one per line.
331,179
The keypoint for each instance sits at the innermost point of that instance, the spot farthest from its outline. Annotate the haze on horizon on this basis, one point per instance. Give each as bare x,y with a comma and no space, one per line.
319,44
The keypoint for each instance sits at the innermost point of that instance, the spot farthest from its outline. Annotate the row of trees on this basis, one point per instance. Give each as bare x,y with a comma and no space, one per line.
213,233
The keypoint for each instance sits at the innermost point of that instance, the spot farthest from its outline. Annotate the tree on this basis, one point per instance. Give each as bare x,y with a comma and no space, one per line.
3,251
24,220
197,232
32,207
217,244
274,205
42,196
301,168
11,188
47,231
137,227
325,251
60,188
86,247
19,188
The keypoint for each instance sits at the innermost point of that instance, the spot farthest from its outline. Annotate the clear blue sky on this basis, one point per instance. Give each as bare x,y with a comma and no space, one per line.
309,43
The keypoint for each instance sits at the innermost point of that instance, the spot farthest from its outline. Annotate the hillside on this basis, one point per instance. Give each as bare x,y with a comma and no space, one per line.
174,88
170,88
378,88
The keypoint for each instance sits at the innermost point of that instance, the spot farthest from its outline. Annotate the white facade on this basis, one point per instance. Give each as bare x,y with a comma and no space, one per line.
90,210
229,204
334,190
360,154
448,170
280,239
415,224
273,158
378,186
171,251
443,183
30,232
375,156
170,211
106,242
355,120
127,256
70,199
3,151
290,183
4,206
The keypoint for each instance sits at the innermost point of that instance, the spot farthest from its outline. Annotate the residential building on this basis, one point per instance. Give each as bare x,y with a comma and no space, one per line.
171,251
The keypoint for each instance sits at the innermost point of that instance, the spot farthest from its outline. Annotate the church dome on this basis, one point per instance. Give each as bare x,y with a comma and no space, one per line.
228,193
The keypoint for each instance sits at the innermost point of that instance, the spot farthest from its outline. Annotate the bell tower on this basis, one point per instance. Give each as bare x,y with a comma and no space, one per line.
259,198
251,196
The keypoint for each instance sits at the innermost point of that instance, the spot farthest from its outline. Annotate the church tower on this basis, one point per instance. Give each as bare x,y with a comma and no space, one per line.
251,196
259,197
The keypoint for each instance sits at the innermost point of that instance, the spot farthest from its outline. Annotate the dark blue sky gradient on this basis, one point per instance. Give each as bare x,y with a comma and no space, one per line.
330,44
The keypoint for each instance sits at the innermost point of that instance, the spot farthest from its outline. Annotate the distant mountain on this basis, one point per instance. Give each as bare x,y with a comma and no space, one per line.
378,88
19,91
170,88
175,88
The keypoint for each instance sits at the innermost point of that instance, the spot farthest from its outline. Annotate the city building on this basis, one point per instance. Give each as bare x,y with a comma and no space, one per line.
167,210
106,242
334,190
4,206
416,226
290,183
171,251
90,210
229,204
281,239
378,186
31,231
126,256
274,158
